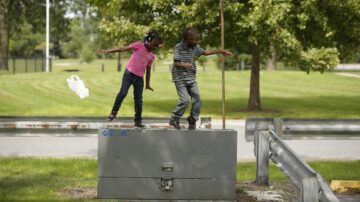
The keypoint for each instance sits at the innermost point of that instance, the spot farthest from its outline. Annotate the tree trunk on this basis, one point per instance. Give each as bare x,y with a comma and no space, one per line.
4,40
56,50
271,62
254,97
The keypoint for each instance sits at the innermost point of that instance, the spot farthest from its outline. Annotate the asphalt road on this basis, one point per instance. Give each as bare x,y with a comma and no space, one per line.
55,145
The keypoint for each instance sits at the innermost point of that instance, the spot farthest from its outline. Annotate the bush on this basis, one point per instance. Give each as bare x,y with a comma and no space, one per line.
322,59
88,53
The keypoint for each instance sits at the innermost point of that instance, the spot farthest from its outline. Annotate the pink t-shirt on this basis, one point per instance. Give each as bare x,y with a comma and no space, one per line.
140,59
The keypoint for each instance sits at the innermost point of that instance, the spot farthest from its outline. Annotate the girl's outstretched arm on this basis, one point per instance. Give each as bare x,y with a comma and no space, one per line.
114,50
148,73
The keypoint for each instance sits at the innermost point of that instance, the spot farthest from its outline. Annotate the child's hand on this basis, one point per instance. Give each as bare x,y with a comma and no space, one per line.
187,66
103,52
225,52
149,88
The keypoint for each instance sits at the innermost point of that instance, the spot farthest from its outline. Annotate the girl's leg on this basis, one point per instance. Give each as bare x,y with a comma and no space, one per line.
125,85
138,92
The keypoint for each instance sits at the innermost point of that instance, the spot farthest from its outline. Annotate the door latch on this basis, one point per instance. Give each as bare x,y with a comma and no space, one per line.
166,184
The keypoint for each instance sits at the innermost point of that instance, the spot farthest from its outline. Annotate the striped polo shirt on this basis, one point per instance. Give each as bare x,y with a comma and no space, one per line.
184,54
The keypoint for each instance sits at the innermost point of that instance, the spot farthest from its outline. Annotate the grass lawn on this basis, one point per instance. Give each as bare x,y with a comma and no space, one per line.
291,94
46,179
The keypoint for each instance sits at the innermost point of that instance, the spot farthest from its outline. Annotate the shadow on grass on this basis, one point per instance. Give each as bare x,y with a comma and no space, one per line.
35,185
41,179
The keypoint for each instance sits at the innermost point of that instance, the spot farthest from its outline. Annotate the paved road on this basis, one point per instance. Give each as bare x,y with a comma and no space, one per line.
86,146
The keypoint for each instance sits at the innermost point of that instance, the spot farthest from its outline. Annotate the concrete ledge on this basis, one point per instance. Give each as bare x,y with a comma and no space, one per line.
62,125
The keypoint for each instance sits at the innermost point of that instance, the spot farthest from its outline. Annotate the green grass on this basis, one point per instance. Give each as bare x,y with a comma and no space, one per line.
291,94
43,179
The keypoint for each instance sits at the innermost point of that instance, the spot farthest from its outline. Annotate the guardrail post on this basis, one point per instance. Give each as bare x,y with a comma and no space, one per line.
278,126
309,190
261,142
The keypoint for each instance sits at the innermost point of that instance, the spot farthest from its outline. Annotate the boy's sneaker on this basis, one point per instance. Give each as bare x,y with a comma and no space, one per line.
112,116
139,125
192,123
175,124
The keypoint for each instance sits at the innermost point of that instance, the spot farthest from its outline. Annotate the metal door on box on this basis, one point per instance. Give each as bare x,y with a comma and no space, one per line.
158,164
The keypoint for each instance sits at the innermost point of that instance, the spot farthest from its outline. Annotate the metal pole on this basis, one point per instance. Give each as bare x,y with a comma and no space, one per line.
222,62
47,34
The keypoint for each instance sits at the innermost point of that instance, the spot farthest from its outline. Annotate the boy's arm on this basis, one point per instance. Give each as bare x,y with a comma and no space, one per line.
213,52
148,73
183,65
177,59
113,50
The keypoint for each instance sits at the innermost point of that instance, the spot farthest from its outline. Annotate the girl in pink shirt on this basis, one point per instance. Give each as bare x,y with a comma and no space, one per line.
139,63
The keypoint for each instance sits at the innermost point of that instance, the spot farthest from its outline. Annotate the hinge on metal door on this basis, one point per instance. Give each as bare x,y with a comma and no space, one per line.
167,166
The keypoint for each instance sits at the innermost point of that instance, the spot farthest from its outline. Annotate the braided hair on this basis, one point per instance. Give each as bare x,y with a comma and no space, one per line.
151,36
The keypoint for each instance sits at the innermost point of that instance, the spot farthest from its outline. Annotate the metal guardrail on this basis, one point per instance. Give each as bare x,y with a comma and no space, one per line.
288,129
59,124
270,146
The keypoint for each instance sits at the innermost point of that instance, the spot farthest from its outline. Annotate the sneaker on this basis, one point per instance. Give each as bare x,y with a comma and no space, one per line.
112,116
139,125
192,123
175,124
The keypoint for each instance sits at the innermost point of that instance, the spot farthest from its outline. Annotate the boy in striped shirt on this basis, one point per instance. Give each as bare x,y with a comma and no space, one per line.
184,76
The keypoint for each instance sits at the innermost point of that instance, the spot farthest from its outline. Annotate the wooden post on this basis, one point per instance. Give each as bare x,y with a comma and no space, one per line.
34,64
119,62
14,65
103,63
222,62
26,64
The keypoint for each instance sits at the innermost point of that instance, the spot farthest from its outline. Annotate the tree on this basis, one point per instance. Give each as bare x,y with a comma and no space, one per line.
25,42
59,25
13,13
309,34
4,38
84,36
17,16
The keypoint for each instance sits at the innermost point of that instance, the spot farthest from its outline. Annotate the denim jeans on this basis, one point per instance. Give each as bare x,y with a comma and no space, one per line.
138,85
184,90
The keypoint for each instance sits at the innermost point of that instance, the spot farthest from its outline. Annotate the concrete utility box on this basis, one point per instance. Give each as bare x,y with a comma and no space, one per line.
166,164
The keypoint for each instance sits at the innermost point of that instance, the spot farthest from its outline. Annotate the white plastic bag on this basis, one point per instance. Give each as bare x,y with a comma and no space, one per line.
78,86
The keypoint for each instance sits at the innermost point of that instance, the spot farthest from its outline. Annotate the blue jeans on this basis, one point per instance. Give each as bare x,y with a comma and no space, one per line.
138,85
184,90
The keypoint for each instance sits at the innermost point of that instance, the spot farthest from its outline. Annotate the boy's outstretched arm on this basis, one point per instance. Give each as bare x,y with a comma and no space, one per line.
148,73
113,50
213,52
